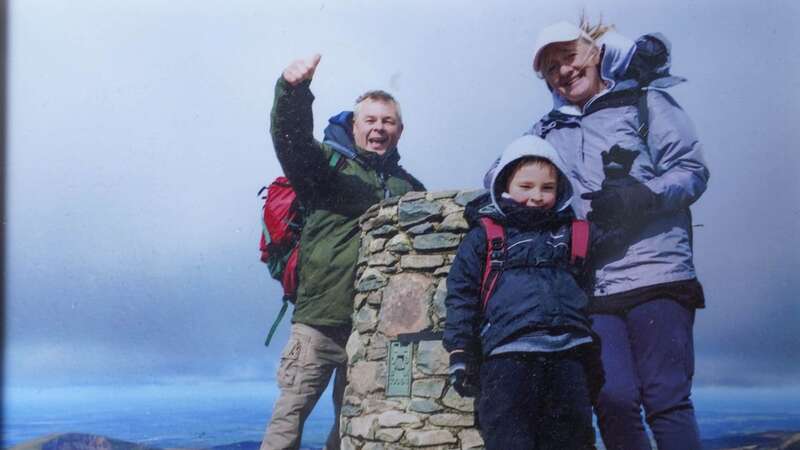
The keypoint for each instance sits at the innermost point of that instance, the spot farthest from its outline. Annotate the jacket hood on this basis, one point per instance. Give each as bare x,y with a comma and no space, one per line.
623,60
526,146
339,135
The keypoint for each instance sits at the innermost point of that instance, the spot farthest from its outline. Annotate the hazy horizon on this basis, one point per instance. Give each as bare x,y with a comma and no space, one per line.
175,416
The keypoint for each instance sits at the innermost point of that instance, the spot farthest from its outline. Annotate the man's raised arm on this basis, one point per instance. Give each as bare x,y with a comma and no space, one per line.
292,124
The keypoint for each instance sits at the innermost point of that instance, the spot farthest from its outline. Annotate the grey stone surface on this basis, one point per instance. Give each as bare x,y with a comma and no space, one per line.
438,195
384,231
355,348
382,259
470,439
422,438
376,222
390,201
453,400
378,405
348,444
363,427
366,319
399,244
374,298
389,434
437,241
374,446
370,280
432,358
351,400
429,387
438,306
376,245
422,228
349,410
424,405
378,347
414,195
372,211
450,207
412,213
467,196
452,420
362,257
390,419
454,222
358,300
421,261
371,376
404,306
444,270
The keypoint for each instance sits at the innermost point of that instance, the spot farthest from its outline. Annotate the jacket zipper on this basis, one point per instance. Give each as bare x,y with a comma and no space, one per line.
382,181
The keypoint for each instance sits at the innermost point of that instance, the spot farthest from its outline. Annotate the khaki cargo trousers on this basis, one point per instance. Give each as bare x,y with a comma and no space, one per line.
308,361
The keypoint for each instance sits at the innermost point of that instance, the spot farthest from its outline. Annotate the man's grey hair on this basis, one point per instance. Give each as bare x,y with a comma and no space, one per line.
380,96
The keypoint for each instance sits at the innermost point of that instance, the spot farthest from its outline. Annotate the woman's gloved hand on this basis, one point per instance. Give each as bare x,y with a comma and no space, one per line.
622,199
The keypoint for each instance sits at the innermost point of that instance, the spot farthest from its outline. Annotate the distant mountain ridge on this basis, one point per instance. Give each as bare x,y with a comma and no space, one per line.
770,440
79,441
84,441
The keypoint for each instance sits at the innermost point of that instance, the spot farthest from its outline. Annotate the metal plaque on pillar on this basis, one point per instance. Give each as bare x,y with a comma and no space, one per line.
399,383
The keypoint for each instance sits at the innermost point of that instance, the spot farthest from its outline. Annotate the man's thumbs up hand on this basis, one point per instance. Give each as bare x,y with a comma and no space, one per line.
301,69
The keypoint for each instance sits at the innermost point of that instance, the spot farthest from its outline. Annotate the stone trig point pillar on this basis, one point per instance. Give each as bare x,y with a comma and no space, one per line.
397,395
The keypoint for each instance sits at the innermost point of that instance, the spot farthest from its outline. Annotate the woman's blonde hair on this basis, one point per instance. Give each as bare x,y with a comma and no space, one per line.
596,30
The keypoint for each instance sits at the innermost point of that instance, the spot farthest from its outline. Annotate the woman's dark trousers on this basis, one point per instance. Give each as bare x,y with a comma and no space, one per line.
648,357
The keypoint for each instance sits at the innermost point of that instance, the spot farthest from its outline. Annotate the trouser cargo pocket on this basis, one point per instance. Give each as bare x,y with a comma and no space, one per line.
290,359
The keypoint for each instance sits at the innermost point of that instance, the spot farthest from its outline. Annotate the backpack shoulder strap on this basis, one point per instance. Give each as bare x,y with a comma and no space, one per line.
580,242
644,115
340,150
553,119
626,97
495,257
334,161
277,321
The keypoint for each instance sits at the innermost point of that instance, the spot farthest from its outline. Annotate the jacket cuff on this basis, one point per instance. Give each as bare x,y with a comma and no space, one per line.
302,90
455,368
460,358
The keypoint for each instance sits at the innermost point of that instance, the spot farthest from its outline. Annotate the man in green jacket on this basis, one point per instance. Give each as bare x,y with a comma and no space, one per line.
335,190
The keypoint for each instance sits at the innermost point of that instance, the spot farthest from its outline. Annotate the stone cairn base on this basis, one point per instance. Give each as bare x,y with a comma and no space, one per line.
408,245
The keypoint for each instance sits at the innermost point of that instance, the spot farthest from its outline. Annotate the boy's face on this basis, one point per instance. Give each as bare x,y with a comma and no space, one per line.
534,184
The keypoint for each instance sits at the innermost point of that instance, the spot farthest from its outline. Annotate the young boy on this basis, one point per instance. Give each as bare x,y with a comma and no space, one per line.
537,353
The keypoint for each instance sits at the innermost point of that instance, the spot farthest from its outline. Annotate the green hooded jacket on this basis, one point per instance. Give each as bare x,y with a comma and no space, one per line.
334,198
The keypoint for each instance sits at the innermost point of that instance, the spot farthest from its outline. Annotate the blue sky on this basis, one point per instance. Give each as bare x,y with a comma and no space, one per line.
137,140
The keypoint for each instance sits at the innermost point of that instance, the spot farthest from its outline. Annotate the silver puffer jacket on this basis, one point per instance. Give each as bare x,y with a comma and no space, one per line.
670,164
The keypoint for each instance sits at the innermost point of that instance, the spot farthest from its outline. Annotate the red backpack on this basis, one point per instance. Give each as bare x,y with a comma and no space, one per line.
282,222
496,252
280,238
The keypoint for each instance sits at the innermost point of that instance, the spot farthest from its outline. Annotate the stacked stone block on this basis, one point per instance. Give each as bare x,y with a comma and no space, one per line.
407,247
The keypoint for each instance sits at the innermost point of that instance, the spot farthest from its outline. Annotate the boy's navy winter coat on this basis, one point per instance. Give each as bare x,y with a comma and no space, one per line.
537,290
